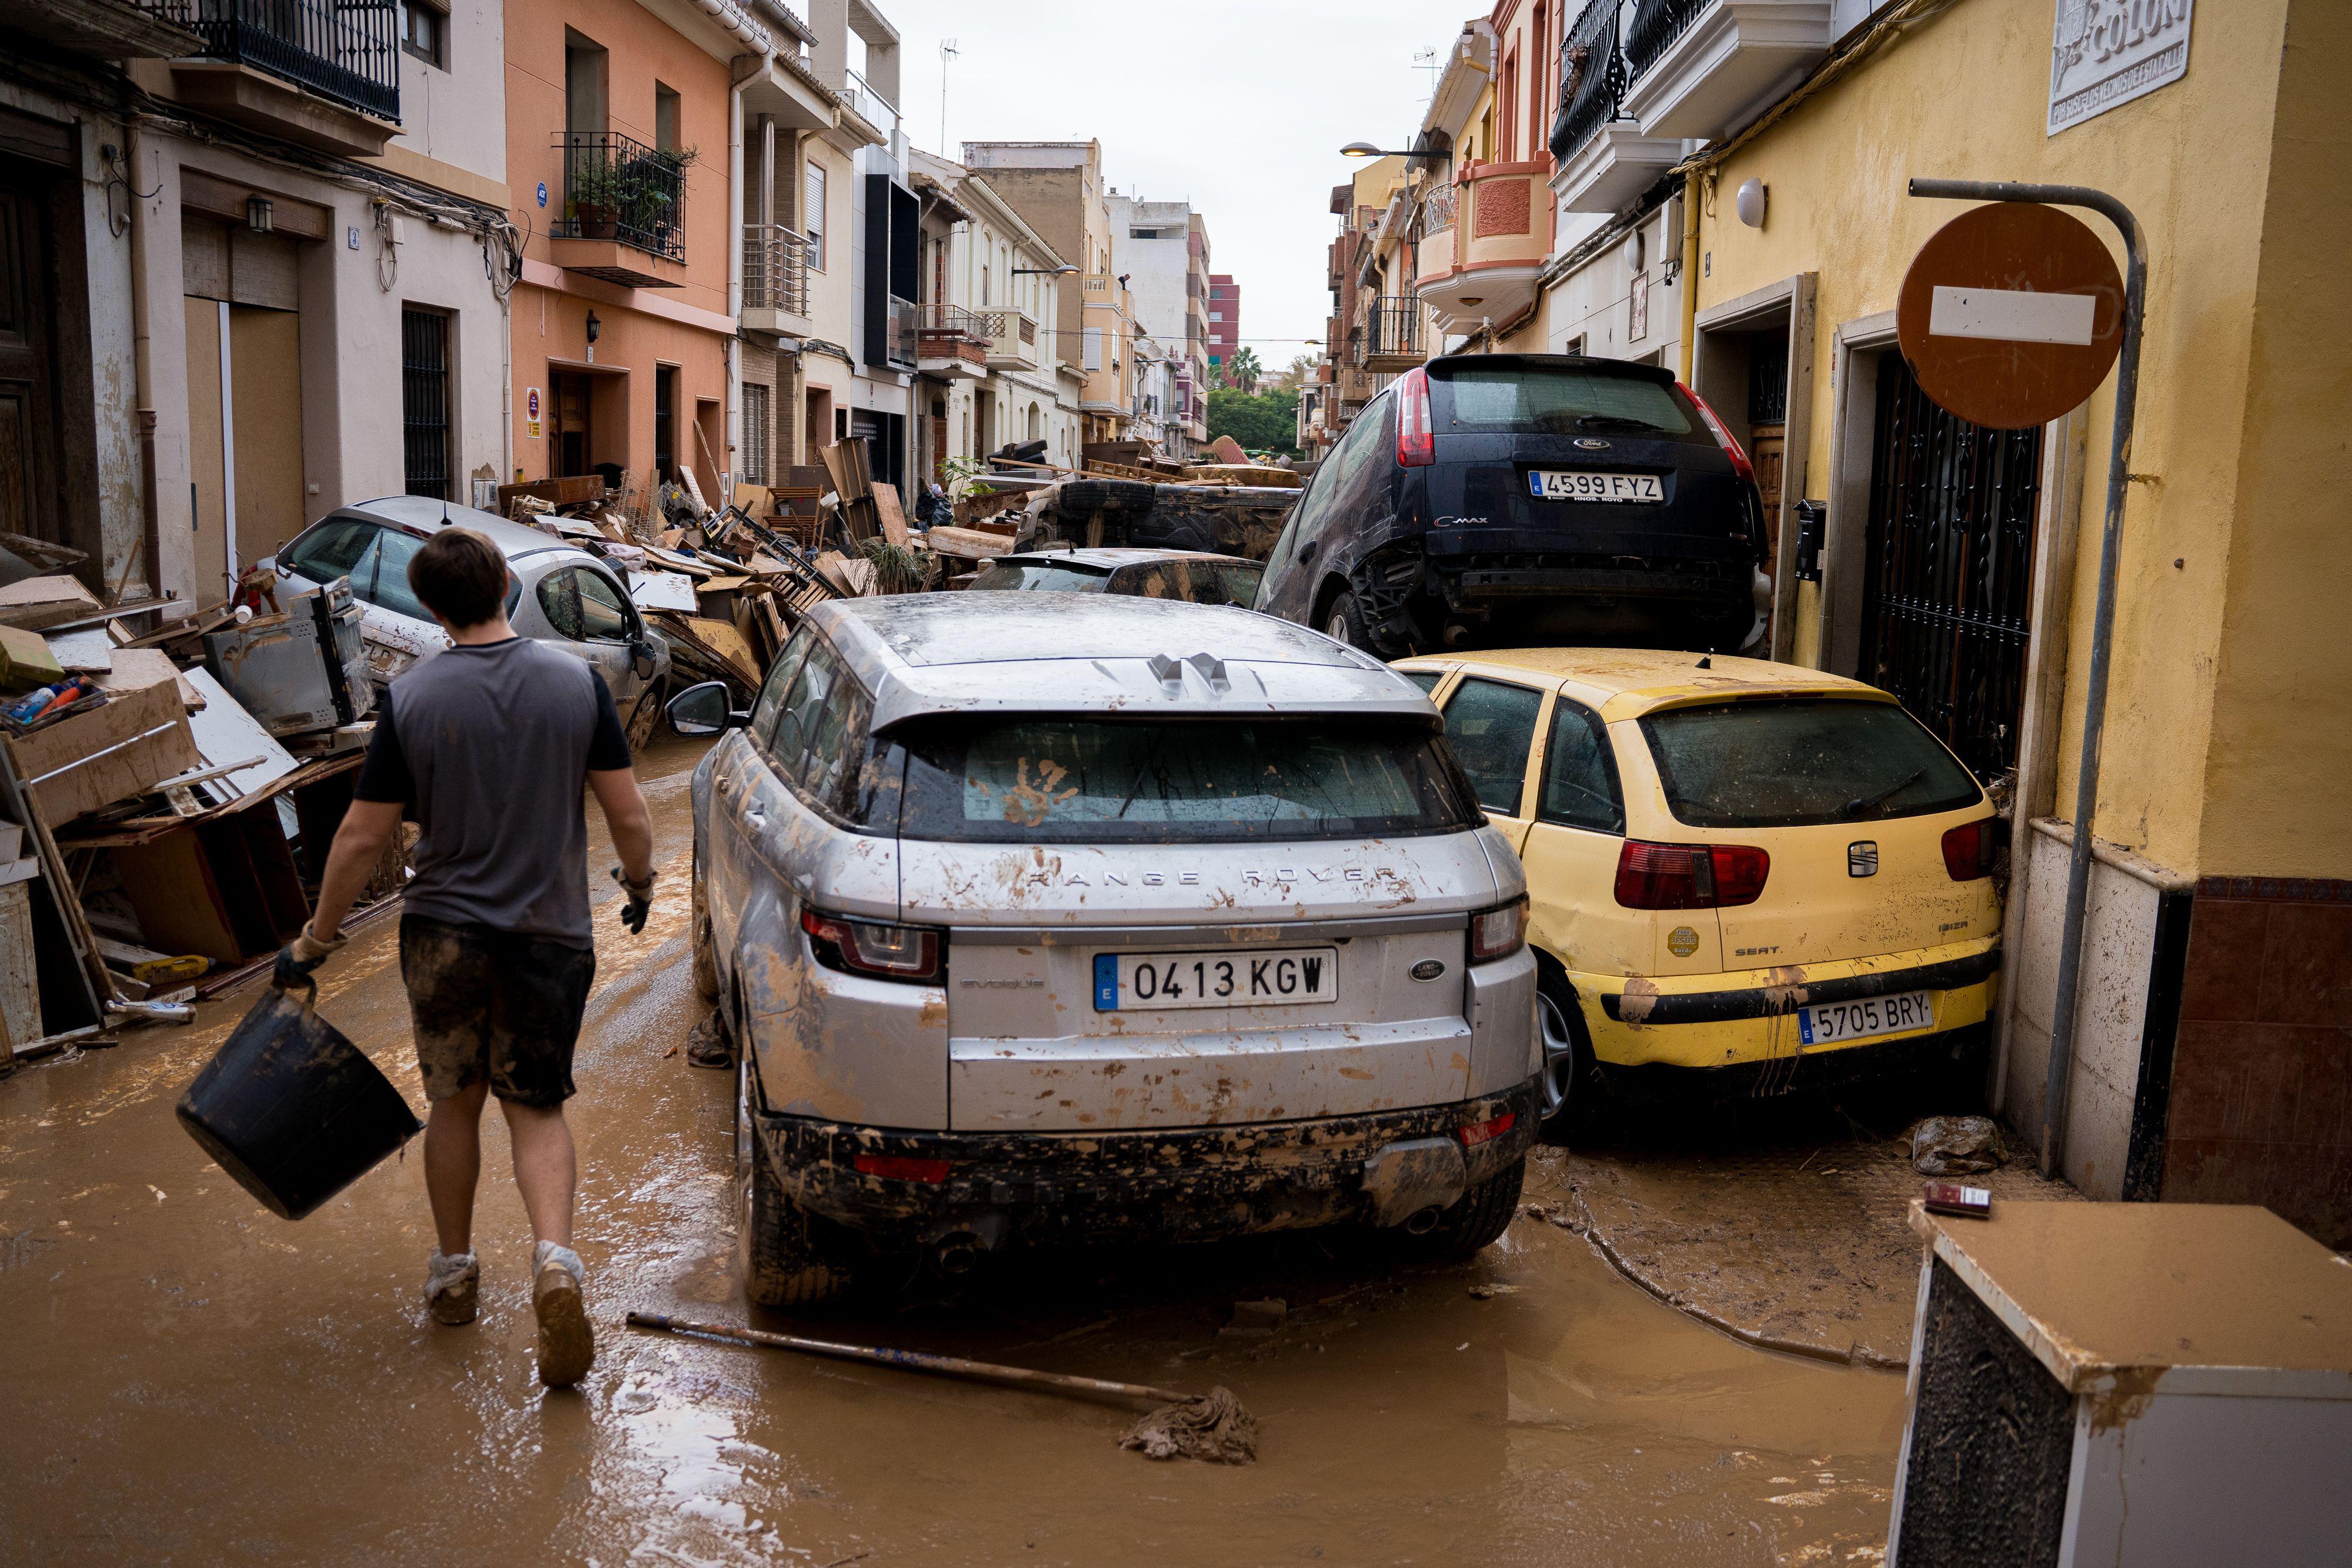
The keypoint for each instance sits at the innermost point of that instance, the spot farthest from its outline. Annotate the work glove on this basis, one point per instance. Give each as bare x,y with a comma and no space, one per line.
298,959
640,899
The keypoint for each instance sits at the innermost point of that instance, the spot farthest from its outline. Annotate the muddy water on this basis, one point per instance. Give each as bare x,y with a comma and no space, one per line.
190,1379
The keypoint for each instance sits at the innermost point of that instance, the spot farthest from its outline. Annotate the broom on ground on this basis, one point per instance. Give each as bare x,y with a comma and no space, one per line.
1211,1427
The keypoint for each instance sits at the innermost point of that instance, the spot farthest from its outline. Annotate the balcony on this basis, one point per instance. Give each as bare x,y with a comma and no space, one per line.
114,29
318,72
624,211
776,280
1012,339
1483,267
1395,338
871,106
1704,68
950,340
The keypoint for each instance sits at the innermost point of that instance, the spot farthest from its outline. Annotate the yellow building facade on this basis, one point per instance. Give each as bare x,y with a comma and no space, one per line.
2214,1049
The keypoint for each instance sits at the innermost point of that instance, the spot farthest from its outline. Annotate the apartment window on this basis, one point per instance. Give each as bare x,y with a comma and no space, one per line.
423,32
424,402
755,433
1216,315
814,224
666,107
1093,349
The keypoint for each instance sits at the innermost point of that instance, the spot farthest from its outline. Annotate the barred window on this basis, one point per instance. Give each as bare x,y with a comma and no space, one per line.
756,431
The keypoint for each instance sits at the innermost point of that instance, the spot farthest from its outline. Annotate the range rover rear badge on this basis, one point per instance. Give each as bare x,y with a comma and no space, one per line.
1427,969
1592,444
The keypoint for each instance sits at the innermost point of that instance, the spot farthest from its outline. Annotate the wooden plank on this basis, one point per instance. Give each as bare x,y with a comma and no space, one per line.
20,985
894,520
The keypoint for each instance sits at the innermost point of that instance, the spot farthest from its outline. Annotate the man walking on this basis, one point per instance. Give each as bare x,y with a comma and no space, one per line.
487,747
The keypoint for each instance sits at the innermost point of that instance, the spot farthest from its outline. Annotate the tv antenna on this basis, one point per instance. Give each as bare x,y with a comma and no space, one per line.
948,51
1424,58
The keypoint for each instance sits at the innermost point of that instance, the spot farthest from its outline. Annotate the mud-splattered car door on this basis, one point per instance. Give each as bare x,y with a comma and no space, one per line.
739,756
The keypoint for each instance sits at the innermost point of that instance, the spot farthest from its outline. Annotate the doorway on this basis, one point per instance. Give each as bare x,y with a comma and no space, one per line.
1768,431
1947,600
665,423
28,433
245,396
568,443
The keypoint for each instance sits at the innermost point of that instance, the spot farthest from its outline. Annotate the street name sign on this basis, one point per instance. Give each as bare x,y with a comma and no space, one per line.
2011,315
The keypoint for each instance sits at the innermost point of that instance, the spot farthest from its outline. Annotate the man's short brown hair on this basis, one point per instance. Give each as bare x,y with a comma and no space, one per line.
460,575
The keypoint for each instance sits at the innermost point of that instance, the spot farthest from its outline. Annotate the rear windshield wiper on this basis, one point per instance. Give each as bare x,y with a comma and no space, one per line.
1861,803
1617,421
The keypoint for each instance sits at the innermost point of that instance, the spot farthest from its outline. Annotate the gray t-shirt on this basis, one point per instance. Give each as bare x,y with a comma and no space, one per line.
489,746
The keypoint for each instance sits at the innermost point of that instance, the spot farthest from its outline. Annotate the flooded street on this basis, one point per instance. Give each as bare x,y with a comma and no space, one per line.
192,1380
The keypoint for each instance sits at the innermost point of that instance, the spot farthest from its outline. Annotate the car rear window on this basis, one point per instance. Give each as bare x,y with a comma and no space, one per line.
1037,575
1802,763
1056,779
1514,400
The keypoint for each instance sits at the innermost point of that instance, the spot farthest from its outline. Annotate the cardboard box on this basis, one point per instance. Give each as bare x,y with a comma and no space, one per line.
70,770
26,661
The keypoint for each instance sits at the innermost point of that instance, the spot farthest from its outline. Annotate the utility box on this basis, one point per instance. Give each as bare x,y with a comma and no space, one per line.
303,670
2103,1384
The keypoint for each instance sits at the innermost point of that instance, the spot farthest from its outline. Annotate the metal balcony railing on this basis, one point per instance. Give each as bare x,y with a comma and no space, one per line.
775,269
1437,209
951,320
1656,24
1393,327
877,111
344,52
1591,77
617,188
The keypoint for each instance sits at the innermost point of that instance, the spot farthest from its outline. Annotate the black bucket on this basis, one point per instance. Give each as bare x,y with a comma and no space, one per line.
291,1108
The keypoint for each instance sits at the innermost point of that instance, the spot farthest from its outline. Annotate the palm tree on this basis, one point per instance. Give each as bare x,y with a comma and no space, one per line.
1242,369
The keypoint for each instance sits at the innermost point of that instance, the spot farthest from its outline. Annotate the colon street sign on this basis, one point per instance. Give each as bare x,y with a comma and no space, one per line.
2011,315
2103,53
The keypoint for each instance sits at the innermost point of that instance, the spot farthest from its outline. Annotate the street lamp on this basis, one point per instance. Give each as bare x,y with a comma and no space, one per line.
1365,150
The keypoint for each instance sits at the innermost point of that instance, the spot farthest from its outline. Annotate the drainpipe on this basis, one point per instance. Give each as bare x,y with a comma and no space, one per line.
2103,619
1690,273
143,370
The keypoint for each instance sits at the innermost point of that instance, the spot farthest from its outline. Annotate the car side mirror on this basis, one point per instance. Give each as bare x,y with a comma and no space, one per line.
704,710
642,661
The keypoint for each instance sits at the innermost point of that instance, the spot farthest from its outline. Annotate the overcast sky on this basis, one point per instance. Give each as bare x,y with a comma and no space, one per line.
1240,109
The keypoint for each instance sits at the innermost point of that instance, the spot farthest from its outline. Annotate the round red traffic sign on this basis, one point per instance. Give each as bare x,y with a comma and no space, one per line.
2011,315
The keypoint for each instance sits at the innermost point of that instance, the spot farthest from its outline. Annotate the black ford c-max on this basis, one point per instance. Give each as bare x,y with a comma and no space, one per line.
1490,499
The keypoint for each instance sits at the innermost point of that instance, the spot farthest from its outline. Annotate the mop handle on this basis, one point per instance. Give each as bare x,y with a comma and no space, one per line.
914,1360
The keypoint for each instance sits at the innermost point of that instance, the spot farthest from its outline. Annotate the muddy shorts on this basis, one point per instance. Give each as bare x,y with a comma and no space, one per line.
490,1004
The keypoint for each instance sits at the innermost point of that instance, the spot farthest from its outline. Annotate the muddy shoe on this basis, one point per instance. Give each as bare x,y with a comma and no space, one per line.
451,1285
566,1344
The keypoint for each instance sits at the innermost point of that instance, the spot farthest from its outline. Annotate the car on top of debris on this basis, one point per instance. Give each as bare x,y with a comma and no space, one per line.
1192,577
1747,873
561,594
1181,924
1503,498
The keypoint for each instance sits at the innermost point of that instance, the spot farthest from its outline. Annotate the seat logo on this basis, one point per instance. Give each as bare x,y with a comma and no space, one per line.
1862,858
1592,444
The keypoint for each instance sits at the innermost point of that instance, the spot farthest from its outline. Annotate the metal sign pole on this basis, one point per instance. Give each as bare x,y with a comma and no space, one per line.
2103,623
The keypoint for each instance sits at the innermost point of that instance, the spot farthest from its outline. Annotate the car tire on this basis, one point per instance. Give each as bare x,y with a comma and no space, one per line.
642,719
1572,1086
793,1259
705,955
1475,1219
1343,622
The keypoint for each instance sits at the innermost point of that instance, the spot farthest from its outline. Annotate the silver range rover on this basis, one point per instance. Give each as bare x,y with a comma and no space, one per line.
1047,918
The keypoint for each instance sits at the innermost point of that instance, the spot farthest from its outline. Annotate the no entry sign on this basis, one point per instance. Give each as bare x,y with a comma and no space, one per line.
2011,315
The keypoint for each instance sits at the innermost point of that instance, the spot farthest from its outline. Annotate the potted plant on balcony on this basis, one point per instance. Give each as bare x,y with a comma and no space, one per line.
597,199
653,190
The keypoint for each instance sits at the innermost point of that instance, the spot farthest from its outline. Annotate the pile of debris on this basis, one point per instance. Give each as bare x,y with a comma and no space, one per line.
168,784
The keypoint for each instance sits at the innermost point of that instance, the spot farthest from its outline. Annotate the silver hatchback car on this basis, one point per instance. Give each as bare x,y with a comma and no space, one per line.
1055,918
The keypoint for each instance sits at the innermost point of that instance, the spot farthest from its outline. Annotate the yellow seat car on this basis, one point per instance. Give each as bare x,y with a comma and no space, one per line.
1753,870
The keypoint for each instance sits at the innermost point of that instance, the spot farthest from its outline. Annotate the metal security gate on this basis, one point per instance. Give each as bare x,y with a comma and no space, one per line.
424,402
1951,566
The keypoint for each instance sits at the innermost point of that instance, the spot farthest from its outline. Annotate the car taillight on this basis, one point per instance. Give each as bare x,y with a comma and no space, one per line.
865,948
1739,463
1499,932
1486,1132
1416,430
904,1168
1968,850
1690,876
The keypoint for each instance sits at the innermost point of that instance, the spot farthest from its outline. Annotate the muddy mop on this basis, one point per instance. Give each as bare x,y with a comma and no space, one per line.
1211,1427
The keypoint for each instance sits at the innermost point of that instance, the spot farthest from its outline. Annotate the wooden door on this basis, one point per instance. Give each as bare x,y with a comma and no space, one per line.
568,443
28,456
1765,448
